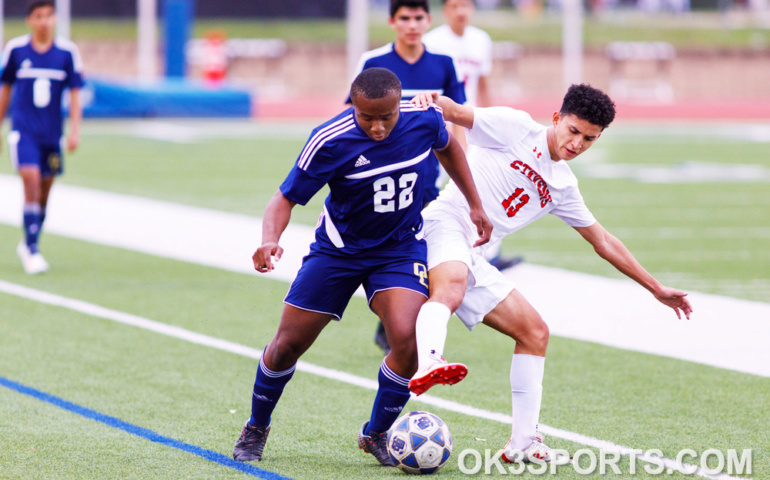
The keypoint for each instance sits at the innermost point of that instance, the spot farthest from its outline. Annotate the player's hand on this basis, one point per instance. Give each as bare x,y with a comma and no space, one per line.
263,257
73,140
675,299
425,99
483,225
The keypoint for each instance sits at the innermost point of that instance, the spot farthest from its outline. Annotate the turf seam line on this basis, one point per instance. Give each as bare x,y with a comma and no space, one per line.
227,346
114,422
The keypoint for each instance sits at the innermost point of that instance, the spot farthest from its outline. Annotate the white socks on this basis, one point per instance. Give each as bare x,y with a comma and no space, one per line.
526,394
431,331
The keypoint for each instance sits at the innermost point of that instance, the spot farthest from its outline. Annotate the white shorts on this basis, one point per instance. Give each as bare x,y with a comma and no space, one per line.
448,239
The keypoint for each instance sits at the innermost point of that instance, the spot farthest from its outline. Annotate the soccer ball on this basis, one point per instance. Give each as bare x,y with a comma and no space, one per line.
419,442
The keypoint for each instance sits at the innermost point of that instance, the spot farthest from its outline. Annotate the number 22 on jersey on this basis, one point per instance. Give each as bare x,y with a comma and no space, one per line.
385,191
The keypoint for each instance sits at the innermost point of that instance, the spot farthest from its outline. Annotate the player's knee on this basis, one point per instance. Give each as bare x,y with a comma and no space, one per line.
450,294
533,338
282,354
540,334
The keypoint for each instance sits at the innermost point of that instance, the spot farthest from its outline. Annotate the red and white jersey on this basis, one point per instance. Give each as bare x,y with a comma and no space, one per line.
516,178
471,52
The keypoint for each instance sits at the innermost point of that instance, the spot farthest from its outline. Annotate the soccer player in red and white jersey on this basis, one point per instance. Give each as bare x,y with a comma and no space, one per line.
521,173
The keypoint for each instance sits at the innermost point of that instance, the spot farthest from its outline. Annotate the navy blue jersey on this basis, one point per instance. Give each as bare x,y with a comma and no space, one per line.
430,72
376,187
39,80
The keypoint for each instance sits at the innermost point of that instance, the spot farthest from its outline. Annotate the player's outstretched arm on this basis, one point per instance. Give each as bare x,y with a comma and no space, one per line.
453,112
611,249
277,216
453,160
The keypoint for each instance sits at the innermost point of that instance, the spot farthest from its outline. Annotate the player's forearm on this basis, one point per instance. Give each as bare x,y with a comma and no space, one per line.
616,253
276,218
453,160
483,99
459,134
461,115
5,100
76,111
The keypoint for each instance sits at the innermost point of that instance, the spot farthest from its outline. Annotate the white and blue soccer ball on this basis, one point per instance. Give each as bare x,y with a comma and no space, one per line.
419,443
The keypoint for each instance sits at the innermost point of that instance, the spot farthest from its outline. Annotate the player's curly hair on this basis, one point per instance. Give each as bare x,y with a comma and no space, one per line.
396,4
590,104
375,83
33,5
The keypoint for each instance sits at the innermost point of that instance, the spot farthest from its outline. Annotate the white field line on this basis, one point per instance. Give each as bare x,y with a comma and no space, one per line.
724,332
227,346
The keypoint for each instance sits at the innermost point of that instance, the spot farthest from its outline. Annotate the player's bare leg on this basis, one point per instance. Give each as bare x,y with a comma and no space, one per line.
516,318
46,183
30,177
447,281
296,333
397,308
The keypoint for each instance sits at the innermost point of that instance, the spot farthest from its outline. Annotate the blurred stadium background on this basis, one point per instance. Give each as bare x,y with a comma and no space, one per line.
669,58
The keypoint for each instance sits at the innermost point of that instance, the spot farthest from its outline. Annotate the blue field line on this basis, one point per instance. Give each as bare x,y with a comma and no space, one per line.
142,432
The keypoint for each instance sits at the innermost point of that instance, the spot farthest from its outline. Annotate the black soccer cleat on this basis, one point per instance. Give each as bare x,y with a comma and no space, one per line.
376,444
504,263
251,443
381,339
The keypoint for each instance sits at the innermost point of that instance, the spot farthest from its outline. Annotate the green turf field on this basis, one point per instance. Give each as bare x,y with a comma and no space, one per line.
706,236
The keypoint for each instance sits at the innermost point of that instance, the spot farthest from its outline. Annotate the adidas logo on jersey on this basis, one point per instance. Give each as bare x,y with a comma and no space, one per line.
362,161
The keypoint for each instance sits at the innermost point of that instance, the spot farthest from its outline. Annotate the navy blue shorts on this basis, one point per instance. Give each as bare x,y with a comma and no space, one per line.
28,152
327,279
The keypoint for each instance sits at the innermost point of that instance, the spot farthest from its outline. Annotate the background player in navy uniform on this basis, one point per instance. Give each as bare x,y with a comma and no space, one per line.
370,233
39,67
417,69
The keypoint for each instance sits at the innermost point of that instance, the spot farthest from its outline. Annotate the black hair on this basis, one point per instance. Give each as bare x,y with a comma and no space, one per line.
33,5
396,4
375,83
590,104
443,2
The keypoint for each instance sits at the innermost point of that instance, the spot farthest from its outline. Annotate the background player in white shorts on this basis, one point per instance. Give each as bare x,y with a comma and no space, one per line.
521,172
471,49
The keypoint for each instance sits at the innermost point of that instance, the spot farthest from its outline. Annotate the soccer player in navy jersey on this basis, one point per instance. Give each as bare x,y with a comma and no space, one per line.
370,234
39,67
